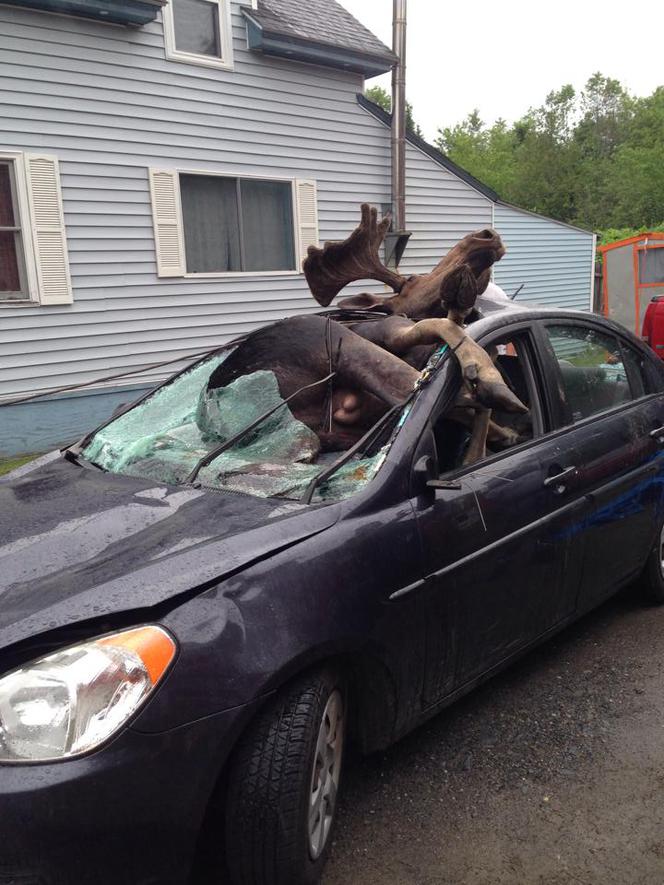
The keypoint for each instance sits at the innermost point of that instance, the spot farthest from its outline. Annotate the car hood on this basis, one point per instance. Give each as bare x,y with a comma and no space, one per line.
77,543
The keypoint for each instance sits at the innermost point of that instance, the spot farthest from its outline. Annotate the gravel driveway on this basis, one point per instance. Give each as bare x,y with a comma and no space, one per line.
553,772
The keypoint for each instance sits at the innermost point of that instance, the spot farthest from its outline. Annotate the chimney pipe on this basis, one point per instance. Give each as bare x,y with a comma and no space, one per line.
397,239
399,116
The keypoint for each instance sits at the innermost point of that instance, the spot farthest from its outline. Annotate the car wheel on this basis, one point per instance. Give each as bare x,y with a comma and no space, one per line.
283,786
652,579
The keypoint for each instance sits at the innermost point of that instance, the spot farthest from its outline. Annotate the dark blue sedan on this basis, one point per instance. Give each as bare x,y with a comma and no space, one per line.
190,633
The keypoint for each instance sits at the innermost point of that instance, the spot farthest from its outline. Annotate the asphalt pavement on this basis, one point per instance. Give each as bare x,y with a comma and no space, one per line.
551,773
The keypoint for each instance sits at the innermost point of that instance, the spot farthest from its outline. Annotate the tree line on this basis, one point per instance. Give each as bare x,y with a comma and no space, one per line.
593,158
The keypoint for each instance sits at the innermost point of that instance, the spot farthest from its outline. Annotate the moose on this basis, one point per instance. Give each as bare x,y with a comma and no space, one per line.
373,352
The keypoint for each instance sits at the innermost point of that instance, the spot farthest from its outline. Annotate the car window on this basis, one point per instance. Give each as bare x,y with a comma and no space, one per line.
510,355
637,371
593,374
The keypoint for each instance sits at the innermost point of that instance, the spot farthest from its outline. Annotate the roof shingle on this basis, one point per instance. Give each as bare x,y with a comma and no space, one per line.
324,22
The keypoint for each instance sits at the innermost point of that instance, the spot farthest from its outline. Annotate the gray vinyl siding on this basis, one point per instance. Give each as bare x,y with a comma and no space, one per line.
107,102
552,260
440,209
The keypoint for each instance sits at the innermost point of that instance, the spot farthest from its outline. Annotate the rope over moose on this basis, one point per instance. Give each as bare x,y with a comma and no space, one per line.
377,363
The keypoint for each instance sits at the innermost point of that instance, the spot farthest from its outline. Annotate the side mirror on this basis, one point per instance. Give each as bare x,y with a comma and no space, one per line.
424,475
423,472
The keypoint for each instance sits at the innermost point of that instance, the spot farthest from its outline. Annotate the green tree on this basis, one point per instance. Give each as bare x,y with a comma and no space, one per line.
487,153
545,157
605,111
595,159
638,165
383,98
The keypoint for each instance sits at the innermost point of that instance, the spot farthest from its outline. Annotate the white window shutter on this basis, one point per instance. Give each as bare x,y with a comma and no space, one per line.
307,217
167,219
48,229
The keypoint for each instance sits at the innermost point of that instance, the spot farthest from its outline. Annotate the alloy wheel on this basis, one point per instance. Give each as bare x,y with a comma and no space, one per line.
326,774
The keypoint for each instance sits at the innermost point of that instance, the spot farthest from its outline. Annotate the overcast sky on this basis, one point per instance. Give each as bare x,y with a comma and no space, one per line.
505,57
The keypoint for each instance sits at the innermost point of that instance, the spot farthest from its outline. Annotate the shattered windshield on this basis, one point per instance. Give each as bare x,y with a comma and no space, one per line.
171,435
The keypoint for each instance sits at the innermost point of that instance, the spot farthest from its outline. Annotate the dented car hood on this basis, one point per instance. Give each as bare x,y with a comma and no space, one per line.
78,543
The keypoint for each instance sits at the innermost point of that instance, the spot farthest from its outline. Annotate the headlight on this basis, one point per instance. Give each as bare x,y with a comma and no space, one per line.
71,701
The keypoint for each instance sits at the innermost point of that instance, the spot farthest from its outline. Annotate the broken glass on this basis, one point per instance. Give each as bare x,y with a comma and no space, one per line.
165,437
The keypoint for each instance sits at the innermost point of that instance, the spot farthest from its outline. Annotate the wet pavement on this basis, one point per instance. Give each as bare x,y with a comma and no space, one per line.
551,773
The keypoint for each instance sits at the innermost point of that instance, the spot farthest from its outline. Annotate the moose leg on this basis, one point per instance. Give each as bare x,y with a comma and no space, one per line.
464,413
477,446
477,368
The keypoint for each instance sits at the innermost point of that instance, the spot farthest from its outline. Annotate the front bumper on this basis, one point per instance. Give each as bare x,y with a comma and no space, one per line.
128,814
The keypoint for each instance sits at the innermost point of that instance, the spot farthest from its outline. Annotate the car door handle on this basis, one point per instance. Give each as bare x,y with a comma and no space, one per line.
557,481
657,434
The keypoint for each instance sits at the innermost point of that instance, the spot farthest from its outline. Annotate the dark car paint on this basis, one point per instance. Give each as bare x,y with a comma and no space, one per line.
403,583
79,543
127,815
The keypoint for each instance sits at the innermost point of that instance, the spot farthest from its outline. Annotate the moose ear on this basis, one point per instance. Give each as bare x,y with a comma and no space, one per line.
363,301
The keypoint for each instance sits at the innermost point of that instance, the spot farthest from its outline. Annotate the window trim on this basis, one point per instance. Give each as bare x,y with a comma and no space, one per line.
211,275
27,267
225,39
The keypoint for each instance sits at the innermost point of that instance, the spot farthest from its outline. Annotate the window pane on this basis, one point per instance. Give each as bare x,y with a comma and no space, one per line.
637,372
10,280
593,374
196,25
267,224
211,230
6,208
651,265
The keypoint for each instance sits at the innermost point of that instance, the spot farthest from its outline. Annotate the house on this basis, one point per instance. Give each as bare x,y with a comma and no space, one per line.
163,168
632,273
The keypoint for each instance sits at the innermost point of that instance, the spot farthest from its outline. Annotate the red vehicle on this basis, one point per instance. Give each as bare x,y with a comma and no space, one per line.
653,325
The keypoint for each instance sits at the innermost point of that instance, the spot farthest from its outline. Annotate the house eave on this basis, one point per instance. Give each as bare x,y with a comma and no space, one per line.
133,13
298,49
429,150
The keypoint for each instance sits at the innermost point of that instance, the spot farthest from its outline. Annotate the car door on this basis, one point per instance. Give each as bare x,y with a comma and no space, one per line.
612,414
501,569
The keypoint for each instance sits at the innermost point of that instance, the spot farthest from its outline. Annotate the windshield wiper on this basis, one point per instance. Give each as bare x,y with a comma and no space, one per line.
220,449
327,472
361,444
73,454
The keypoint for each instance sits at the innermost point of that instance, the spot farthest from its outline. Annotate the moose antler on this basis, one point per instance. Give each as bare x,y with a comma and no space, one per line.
453,284
329,269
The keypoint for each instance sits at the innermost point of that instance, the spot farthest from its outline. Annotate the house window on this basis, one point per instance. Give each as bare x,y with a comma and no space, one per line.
13,284
199,32
651,265
237,224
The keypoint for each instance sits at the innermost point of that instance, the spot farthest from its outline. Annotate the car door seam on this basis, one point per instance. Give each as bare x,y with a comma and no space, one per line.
568,508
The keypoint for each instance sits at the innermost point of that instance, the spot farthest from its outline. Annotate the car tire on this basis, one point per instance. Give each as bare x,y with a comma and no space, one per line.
283,784
652,578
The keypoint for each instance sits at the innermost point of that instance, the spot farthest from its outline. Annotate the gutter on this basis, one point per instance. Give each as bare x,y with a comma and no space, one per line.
133,13
260,39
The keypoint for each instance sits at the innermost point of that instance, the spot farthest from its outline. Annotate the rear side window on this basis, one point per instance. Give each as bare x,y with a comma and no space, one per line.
594,376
